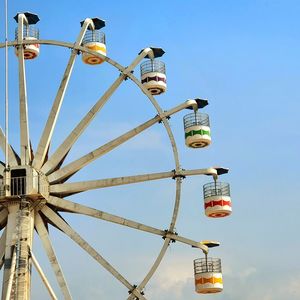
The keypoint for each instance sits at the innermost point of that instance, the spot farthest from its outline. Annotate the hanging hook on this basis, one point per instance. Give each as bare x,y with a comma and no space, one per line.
215,176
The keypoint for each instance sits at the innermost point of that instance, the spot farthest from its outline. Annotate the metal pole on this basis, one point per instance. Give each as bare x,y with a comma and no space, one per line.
215,181
6,173
206,262
6,87
43,277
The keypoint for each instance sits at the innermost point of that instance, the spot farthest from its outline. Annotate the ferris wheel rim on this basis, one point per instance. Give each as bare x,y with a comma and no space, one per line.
164,121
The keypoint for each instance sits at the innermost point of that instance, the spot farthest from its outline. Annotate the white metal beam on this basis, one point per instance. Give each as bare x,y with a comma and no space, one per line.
12,159
24,128
43,234
65,147
90,157
43,277
76,187
62,225
95,213
49,127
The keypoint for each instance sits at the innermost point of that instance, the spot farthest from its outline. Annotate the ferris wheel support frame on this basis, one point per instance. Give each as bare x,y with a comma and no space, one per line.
55,177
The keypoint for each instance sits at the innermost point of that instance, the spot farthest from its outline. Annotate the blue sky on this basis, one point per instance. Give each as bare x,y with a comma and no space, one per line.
241,55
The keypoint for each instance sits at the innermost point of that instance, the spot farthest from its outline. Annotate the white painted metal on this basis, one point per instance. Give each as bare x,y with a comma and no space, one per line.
65,147
24,129
43,234
60,223
43,277
76,187
50,124
12,159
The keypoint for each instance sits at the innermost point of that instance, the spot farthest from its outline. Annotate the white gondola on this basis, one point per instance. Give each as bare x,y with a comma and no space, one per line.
208,275
153,76
94,40
197,130
30,33
217,201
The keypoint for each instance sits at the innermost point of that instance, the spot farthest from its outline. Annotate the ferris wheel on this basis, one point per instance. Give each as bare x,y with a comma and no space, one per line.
35,186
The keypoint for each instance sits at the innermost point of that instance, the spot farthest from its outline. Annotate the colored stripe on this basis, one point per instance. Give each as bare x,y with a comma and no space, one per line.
194,132
155,78
96,48
211,280
217,202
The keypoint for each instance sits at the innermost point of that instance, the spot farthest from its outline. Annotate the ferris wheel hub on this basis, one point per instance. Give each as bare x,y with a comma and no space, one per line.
25,181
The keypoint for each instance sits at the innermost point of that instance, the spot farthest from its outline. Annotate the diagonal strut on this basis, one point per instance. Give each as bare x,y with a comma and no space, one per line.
43,234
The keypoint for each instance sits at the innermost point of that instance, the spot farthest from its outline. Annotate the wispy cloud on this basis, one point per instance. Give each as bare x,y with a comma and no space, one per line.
177,283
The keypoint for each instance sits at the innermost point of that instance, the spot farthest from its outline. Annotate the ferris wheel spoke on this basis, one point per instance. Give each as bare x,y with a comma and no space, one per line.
13,159
43,276
65,147
44,236
62,225
78,164
52,118
95,213
26,156
77,187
